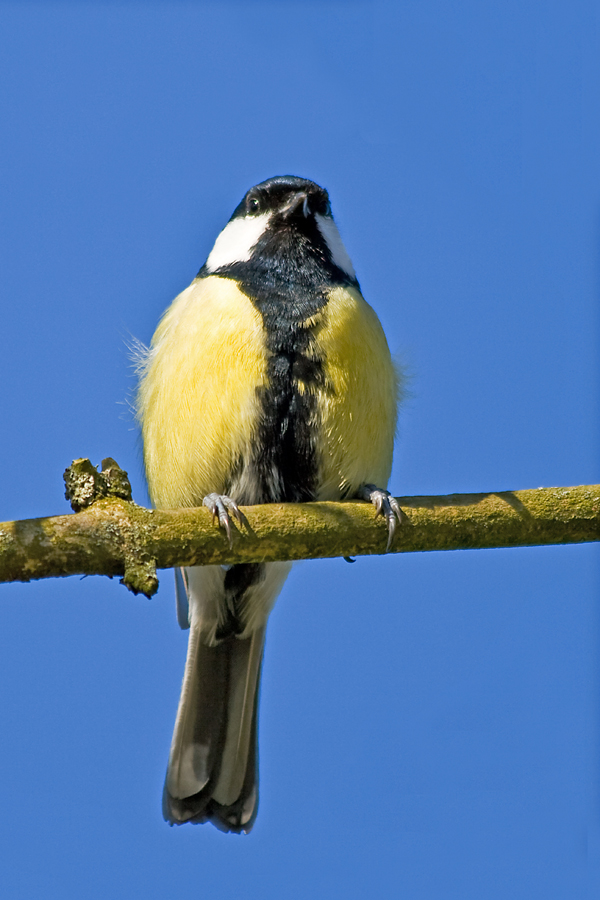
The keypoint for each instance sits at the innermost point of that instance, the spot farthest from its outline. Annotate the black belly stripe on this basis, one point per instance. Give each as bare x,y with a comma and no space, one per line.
284,459
287,280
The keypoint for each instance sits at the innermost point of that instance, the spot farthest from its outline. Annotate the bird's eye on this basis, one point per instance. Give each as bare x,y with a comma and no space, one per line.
253,205
321,205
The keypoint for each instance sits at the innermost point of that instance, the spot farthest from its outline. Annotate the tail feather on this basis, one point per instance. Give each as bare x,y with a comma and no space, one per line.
245,663
201,722
212,773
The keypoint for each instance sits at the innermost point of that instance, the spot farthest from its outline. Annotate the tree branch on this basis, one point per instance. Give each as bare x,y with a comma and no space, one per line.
111,535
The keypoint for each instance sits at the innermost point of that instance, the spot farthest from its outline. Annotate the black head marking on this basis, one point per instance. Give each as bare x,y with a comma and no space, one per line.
282,233
275,195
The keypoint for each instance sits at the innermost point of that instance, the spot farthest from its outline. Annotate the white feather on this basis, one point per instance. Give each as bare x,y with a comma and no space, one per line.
236,241
339,254
206,592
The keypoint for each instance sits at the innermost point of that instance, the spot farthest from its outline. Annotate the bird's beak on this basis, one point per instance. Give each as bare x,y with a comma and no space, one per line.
298,201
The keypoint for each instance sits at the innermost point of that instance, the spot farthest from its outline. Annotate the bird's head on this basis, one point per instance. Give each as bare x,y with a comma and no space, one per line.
283,217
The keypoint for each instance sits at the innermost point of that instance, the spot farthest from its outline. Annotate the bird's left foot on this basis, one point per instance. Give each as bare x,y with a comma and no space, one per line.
385,505
223,508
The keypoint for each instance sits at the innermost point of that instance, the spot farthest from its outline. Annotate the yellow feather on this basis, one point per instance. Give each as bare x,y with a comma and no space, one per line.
197,401
358,405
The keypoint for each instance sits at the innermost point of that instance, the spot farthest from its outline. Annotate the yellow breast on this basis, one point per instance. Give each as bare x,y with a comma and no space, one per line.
199,405
197,401
359,403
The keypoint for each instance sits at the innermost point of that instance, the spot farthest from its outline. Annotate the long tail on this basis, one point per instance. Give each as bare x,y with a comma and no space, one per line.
213,772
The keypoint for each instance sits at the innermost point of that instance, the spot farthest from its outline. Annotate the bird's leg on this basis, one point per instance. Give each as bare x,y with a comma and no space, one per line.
385,505
223,508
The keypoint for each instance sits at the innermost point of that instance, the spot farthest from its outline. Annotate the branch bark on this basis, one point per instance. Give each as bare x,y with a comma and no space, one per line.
115,537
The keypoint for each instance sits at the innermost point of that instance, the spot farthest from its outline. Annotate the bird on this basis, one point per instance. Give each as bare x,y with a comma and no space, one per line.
269,379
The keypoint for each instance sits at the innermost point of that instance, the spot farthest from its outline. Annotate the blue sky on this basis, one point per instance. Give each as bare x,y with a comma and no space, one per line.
429,723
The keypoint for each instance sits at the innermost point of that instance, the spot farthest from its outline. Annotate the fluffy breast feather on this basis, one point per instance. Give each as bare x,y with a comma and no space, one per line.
199,405
197,401
358,407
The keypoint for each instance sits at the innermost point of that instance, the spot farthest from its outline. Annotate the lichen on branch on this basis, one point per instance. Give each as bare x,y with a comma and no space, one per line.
111,535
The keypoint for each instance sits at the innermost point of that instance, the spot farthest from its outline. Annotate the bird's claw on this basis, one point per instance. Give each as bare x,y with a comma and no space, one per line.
223,508
385,505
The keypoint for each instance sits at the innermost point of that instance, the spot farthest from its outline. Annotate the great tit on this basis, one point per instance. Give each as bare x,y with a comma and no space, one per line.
269,379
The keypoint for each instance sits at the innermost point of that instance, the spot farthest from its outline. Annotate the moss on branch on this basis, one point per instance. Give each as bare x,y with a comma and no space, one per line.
111,535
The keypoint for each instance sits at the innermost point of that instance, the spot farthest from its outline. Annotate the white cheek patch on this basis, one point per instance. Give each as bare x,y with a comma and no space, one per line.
339,254
236,241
